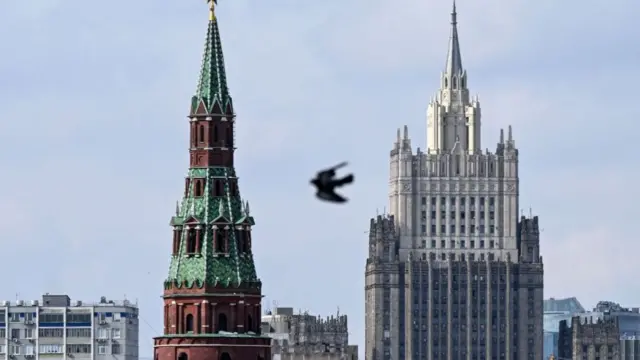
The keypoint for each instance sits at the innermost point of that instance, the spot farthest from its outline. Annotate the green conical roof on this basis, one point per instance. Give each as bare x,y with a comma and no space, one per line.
212,86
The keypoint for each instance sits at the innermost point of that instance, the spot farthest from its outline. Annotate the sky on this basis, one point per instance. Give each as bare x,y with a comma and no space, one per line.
93,136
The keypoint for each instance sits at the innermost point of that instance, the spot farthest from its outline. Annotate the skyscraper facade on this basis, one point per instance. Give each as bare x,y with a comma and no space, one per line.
212,294
452,272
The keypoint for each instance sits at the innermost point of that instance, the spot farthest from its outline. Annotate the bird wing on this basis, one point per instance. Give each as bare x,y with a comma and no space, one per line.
330,196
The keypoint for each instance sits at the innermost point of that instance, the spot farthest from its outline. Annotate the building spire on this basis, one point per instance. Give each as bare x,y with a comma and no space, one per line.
454,59
212,95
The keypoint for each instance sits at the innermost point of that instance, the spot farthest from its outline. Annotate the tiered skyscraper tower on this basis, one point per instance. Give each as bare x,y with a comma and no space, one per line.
452,273
212,294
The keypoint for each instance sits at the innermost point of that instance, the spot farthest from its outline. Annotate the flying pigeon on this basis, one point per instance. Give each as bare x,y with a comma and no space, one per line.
326,184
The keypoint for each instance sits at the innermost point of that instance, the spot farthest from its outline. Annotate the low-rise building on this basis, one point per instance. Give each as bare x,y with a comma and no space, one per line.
61,329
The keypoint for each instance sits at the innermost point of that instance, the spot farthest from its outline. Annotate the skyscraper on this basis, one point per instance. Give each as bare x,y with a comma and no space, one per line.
212,294
452,273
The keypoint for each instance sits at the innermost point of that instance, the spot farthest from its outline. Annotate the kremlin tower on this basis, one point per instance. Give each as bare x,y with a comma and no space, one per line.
212,294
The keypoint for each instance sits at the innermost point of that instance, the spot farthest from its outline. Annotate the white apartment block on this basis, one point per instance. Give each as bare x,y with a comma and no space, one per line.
58,329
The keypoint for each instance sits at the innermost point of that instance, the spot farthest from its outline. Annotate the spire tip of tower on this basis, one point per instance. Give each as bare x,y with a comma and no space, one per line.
212,9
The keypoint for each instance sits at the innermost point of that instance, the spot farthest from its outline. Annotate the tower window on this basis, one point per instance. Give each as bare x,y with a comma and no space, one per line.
222,322
229,141
187,183
240,241
446,83
219,239
201,133
462,83
454,83
225,356
218,188
191,241
249,323
215,133
183,356
176,241
189,324
198,188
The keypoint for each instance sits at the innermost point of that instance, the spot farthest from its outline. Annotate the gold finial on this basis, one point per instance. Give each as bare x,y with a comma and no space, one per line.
212,9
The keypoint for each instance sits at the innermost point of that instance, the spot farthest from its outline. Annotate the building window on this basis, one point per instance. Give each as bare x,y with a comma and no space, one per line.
117,316
222,322
191,241
201,133
102,349
462,244
433,201
452,229
50,348
115,333
443,244
424,215
472,201
463,229
14,350
103,333
433,229
28,334
115,349
472,244
215,133
189,323
424,229
481,244
15,333
79,349
424,200
183,356
14,317
198,187
492,244
433,243
443,229
229,142
492,229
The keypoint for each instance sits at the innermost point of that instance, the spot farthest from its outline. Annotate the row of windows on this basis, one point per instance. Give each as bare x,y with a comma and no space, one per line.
473,229
201,138
29,350
49,333
59,318
220,240
463,244
472,256
217,187
453,201
463,215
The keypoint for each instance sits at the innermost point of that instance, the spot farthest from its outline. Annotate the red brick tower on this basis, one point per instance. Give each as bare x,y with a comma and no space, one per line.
212,294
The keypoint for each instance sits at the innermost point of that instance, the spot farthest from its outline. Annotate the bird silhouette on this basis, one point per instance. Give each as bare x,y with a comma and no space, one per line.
326,184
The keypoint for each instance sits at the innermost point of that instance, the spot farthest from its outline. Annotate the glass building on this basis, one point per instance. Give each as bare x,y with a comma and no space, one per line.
556,310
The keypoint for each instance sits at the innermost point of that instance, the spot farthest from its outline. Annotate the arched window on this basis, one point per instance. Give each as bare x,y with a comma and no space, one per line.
183,356
454,83
215,133
189,323
462,83
249,323
222,322
225,356
201,133
446,83
191,241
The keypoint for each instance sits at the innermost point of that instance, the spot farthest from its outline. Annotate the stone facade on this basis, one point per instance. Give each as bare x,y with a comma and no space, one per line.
308,337
586,339
452,272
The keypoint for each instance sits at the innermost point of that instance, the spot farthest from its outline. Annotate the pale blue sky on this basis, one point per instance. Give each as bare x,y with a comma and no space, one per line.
93,135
